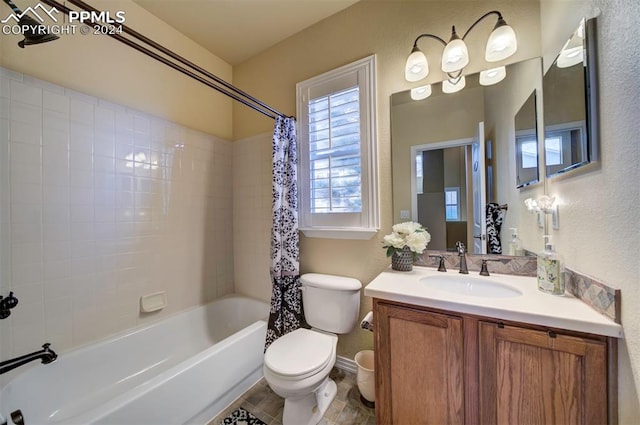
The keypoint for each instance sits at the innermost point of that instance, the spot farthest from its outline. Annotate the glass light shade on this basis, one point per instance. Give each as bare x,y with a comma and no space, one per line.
492,76
416,67
455,56
570,57
421,92
502,43
449,87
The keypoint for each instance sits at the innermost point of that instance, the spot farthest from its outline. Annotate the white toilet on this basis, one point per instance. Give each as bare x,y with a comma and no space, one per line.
297,365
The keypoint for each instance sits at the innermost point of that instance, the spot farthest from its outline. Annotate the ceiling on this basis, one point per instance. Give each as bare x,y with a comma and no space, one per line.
235,30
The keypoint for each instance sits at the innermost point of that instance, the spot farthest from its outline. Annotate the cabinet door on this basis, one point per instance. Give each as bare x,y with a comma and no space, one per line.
535,377
419,367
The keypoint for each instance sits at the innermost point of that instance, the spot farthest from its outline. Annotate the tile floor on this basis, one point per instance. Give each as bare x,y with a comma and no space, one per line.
346,409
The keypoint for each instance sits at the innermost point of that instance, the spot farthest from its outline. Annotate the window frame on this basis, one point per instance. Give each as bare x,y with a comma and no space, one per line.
365,224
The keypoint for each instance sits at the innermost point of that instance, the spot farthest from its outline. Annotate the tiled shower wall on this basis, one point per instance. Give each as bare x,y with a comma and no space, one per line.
101,204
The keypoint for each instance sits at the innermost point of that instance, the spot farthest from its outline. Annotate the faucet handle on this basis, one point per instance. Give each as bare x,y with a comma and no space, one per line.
484,271
460,247
441,266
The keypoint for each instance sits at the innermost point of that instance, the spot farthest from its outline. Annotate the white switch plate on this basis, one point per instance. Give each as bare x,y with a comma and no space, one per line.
405,214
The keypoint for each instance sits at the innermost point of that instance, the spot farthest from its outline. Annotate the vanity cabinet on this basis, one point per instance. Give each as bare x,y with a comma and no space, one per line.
419,370
435,367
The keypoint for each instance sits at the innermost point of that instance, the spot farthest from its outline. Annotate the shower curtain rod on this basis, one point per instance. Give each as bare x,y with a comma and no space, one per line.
226,89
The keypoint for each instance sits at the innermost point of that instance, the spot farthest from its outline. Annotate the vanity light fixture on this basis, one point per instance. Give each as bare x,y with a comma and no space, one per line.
501,44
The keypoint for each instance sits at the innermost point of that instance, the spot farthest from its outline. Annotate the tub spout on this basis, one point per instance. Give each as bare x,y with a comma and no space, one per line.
47,355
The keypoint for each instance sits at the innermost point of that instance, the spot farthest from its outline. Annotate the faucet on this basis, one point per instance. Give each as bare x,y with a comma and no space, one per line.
463,258
46,355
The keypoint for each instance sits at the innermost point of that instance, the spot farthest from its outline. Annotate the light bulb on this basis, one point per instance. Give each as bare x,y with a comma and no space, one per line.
502,43
422,92
492,76
455,56
451,87
416,67
570,57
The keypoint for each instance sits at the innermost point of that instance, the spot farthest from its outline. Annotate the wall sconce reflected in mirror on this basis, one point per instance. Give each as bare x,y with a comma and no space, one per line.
422,92
544,205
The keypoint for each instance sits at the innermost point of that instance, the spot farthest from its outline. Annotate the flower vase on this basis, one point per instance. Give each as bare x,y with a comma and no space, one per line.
402,260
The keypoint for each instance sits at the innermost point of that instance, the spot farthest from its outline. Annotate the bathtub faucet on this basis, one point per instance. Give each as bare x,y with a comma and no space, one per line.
46,355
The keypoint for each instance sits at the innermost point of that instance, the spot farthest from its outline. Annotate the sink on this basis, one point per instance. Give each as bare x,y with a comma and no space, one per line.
471,285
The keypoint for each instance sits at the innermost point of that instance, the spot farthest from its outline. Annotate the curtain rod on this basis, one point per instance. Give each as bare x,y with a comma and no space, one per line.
227,89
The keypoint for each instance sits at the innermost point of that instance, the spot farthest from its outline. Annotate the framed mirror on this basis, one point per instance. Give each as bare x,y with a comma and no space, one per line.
452,156
570,115
526,127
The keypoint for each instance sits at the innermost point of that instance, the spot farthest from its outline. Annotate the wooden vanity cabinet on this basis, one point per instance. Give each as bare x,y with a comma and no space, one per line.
437,367
535,377
419,366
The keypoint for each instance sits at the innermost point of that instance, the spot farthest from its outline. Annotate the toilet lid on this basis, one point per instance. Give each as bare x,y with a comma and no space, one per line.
299,353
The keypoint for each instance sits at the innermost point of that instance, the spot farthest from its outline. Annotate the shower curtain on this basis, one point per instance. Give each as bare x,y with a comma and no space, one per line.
286,312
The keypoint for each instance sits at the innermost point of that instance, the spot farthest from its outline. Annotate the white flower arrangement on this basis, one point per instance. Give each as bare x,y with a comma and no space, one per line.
408,234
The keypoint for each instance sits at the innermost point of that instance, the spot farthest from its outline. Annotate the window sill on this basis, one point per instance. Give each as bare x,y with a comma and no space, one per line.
335,233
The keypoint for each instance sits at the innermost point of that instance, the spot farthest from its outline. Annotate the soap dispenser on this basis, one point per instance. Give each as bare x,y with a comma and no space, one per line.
515,244
550,269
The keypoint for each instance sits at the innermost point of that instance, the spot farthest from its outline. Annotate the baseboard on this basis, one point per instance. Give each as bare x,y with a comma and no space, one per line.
346,364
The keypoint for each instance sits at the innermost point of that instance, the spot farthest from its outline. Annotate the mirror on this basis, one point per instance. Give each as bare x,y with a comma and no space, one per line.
569,98
452,154
527,143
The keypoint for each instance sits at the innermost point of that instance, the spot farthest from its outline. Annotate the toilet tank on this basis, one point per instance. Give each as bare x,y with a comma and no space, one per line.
331,303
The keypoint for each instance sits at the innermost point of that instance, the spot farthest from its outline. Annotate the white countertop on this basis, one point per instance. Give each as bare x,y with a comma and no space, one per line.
533,306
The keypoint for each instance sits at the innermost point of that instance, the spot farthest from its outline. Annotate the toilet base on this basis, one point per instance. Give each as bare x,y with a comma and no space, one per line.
310,409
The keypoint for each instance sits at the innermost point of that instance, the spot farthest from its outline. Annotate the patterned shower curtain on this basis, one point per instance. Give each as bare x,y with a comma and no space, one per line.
286,312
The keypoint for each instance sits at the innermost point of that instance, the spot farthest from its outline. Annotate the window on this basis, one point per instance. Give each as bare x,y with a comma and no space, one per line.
334,152
452,203
419,173
528,151
553,150
337,145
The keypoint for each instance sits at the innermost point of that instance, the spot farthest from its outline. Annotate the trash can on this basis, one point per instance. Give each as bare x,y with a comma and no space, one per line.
365,377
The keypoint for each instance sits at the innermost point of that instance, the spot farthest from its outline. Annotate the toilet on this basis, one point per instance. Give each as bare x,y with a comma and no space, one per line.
297,365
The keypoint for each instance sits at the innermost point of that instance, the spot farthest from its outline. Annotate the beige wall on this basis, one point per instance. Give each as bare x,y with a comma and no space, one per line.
599,224
103,67
389,31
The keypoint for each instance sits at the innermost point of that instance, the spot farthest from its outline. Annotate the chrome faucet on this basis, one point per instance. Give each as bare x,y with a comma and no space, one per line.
463,259
47,355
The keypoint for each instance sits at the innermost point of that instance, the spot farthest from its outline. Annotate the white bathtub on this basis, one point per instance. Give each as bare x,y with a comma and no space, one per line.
184,369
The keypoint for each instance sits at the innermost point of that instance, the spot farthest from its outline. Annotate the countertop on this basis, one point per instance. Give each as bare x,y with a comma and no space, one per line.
533,306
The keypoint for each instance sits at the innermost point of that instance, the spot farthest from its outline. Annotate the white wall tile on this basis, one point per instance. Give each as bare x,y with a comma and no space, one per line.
57,102
26,93
91,227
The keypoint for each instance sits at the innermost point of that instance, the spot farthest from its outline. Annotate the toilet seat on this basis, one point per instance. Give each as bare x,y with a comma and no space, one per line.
299,354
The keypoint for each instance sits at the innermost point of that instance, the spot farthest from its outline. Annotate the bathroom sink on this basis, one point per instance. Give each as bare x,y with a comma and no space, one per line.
471,285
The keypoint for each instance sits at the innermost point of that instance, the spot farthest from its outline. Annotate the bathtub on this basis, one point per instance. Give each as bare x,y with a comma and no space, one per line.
184,369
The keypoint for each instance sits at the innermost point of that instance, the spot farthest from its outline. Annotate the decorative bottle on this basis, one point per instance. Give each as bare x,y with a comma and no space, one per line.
550,270
515,244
